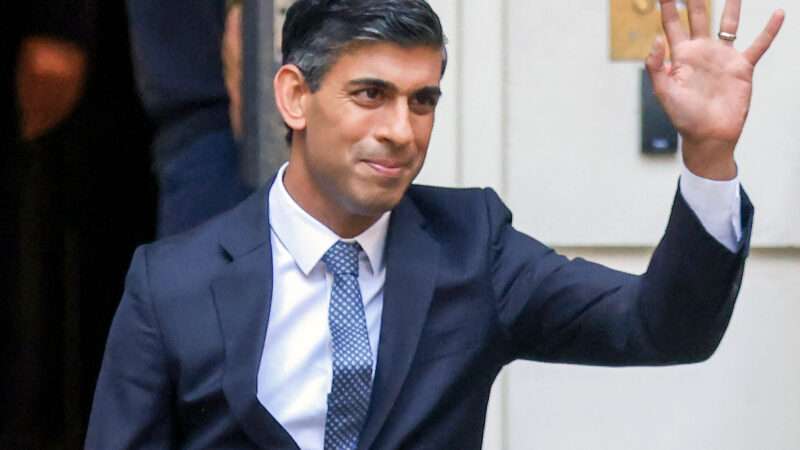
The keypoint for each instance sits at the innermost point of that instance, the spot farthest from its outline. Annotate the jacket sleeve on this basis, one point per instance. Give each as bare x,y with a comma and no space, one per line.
133,400
575,311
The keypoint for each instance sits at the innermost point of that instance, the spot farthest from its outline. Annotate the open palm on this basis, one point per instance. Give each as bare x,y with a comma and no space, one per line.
707,86
707,90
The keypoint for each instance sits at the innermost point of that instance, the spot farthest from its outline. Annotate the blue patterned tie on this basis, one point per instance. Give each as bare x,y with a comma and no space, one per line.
348,400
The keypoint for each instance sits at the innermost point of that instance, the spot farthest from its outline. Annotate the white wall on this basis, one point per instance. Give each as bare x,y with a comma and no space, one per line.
534,107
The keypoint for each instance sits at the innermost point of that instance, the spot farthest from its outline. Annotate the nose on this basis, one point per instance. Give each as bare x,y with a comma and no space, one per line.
396,127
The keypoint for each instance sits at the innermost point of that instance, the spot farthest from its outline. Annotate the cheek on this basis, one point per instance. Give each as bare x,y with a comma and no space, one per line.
356,124
331,123
423,128
345,134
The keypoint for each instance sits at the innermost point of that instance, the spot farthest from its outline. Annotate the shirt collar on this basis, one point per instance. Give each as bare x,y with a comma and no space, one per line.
307,239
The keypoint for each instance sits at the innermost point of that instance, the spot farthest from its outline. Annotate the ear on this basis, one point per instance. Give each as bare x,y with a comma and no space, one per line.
290,89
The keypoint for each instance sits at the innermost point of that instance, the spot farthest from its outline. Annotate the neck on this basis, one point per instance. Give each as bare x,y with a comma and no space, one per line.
307,195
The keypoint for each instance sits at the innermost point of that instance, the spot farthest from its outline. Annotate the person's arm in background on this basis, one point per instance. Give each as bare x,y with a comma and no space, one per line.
52,63
232,63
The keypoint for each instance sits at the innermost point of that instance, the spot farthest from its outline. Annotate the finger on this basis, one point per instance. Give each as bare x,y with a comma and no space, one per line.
730,19
671,21
655,64
765,38
698,19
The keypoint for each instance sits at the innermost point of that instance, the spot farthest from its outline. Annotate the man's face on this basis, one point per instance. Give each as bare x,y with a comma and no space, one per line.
367,129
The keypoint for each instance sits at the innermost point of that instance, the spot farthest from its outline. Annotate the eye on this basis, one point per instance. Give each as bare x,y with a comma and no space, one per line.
370,96
372,93
423,103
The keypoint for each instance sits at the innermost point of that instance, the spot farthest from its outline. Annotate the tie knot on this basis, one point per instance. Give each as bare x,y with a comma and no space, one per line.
342,258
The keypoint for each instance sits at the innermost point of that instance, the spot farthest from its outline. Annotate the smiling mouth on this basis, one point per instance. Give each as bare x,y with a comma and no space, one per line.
386,168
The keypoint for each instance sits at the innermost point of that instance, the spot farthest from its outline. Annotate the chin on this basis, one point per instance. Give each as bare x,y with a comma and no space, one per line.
374,206
374,197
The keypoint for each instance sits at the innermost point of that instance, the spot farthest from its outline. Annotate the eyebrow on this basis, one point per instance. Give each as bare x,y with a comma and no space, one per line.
386,85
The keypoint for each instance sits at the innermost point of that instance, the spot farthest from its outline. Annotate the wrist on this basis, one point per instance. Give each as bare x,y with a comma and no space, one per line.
710,160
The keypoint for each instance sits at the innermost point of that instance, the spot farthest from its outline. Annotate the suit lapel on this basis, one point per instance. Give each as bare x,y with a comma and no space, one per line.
242,296
411,266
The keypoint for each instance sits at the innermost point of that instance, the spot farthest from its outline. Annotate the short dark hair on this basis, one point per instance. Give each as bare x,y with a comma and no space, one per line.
317,31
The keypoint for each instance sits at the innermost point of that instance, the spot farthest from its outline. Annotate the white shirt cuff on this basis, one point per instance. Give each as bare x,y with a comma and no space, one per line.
717,204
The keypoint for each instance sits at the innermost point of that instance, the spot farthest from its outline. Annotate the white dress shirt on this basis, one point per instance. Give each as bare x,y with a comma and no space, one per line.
717,204
295,373
294,376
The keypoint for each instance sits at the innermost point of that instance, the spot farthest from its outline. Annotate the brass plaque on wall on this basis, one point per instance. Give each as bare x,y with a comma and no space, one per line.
636,23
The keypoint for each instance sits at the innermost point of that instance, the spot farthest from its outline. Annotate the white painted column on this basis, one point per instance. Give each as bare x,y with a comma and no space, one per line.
443,160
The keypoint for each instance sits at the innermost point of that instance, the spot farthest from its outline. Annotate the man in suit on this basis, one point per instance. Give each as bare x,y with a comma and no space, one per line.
340,307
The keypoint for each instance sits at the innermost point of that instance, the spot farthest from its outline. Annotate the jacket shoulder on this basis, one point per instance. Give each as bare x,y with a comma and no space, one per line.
461,212
185,262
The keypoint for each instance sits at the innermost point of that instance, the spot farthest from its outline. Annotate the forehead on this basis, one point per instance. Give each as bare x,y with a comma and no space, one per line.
407,68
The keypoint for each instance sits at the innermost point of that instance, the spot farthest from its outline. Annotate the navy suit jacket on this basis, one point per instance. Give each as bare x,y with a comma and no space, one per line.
465,294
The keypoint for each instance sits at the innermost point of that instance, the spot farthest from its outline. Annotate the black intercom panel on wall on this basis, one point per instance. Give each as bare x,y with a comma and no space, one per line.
659,136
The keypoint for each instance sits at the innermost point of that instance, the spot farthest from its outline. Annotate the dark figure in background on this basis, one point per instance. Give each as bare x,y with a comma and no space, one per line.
181,83
76,197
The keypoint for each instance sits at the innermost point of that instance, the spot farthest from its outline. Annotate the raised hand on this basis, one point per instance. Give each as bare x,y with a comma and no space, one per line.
706,88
